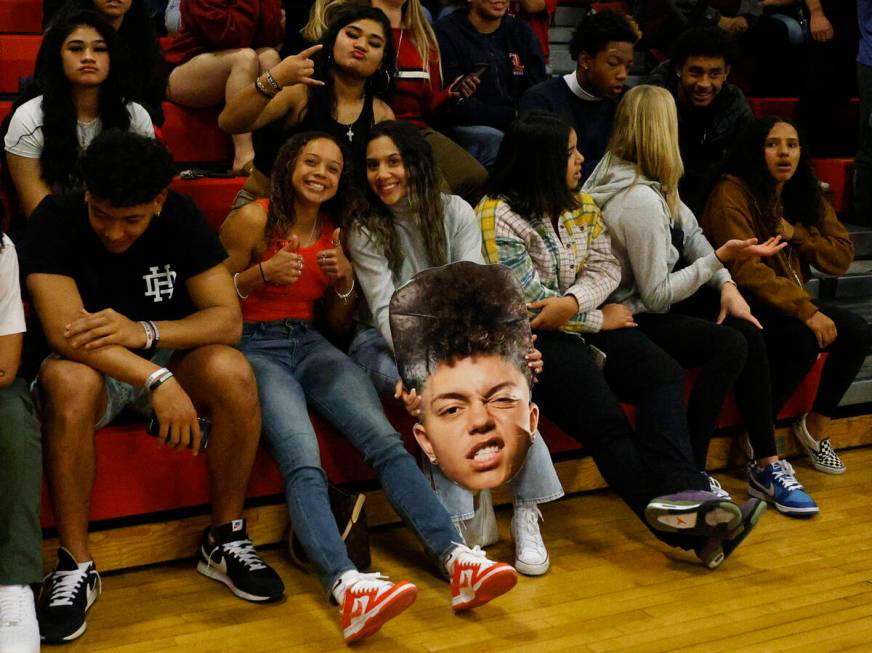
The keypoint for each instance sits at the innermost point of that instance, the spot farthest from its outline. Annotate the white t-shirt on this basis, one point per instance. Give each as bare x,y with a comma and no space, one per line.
25,137
11,310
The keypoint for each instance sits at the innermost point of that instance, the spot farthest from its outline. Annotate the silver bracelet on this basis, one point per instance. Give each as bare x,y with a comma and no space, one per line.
272,81
236,285
156,330
149,334
344,296
156,378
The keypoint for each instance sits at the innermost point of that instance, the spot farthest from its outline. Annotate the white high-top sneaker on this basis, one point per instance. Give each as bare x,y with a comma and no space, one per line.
19,630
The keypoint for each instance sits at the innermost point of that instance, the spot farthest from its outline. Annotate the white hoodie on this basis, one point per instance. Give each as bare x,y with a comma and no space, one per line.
639,222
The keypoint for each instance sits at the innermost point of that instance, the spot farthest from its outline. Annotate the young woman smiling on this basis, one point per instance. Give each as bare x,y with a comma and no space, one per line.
285,256
413,227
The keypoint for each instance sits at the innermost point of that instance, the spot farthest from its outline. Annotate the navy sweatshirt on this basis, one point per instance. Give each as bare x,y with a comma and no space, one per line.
516,63
592,120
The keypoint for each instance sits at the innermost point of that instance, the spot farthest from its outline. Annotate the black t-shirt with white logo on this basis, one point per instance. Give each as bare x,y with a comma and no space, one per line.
146,282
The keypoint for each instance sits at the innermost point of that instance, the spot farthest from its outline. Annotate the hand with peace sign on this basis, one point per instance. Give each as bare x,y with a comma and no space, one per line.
297,69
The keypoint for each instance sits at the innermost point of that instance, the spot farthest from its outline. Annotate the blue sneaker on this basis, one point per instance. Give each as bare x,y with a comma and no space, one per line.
777,484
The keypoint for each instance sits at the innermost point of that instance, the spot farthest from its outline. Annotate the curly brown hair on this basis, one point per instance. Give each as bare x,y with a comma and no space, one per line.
280,216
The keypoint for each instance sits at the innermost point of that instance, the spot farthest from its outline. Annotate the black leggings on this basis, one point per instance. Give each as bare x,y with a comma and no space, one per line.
729,356
573,393
793,350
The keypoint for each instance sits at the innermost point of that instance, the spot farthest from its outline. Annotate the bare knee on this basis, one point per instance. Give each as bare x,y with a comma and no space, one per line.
267,58
245,59
225,375
71,391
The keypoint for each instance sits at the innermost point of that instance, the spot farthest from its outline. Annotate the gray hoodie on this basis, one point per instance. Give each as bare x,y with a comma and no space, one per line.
639,223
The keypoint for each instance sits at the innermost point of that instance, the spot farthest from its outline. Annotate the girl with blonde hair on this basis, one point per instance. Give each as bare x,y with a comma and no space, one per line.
680,293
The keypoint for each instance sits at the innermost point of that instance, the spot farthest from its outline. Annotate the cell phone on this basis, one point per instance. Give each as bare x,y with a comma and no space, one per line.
153,429
478,70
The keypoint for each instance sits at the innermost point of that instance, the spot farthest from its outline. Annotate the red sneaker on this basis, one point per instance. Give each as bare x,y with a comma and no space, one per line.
475,580
370,601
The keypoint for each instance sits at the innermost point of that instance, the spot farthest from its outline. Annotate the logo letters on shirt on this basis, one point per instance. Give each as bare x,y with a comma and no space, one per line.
160,284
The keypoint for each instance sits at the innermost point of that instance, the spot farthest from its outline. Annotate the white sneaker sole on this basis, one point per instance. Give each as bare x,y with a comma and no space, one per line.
533,569
215,574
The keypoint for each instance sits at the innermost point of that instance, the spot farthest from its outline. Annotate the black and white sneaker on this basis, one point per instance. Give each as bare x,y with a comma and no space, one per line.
66,596
232,560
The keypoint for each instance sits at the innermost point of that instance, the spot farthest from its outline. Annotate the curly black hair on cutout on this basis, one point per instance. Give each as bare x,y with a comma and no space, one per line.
446,314
800,197
596,30
712,42
126,169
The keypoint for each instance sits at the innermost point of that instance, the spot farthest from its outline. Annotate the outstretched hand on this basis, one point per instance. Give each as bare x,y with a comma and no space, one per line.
736,249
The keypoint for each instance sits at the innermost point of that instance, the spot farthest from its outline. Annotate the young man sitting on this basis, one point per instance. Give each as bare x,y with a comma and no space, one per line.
602,47
504,53
128,283
711,111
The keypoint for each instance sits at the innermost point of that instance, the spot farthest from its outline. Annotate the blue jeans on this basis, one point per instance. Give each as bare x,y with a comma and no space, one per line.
537,480
481,141
296,366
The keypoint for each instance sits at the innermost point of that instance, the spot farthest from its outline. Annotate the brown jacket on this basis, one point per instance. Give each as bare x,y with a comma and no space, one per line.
776,281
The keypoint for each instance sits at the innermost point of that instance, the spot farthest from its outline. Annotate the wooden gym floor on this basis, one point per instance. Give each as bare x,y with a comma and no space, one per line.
793,585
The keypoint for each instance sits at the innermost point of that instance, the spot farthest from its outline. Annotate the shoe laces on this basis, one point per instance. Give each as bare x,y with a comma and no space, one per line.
65,585
716,487
243,551
12,606
527,522
370,583
467,557
783,473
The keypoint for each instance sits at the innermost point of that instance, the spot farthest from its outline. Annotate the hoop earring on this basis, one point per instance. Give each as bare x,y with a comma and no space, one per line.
387,78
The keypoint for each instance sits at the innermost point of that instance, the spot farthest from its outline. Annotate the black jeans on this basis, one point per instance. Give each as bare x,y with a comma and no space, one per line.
719,352
573,393
641,373
793,350
752,388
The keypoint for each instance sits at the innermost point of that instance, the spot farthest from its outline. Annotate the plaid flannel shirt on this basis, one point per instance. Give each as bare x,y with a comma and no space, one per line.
576,260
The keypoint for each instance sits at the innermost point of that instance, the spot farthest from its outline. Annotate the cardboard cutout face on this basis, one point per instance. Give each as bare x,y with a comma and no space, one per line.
460,335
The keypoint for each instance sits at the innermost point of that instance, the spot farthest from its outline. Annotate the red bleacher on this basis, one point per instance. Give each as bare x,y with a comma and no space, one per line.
193,135
17,54
20,17
134,477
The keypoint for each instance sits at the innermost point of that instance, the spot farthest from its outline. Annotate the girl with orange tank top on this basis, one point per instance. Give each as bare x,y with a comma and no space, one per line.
285,255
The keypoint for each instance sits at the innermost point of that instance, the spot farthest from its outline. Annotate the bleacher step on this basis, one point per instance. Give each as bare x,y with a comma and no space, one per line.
861,235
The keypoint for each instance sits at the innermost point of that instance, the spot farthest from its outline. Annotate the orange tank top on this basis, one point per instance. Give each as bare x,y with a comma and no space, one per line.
273,301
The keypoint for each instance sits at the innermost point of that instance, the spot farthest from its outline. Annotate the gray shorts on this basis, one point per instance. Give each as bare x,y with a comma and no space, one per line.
120,395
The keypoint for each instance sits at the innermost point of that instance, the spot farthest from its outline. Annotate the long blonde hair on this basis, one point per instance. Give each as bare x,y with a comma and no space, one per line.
414,20
646,134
